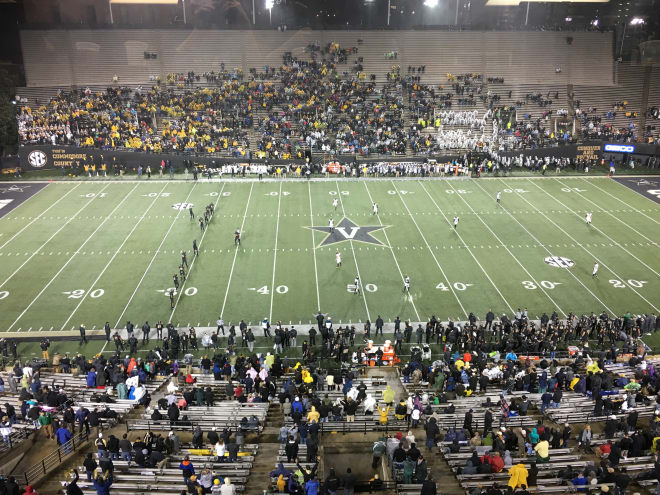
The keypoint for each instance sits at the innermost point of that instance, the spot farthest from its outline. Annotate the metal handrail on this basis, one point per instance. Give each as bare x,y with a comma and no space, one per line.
55,458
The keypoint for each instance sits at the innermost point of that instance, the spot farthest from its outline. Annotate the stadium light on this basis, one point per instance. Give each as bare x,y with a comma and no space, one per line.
431,3
636,21
269,4
568,19
594,22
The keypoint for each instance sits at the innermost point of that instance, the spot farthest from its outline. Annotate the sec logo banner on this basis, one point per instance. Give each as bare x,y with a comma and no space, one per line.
559,262
37,159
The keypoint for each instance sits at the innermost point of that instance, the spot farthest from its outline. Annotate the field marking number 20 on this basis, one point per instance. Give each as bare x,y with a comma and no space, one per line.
78,293
618,284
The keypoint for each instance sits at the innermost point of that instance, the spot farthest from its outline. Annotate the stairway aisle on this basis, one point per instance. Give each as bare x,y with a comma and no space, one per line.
264,461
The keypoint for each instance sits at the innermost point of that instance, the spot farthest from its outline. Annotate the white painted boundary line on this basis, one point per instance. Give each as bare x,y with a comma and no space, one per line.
51,237
114,255
470,251
153,258
396,262
72,256
201,241
357,269
621,201
233,263
590,253
38,216
537,241
316,272
277,230
613,216
601,232
449,284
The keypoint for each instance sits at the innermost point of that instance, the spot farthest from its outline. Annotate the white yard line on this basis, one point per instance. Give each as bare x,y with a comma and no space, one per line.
396,262
38,216
72,257
538,242
156,252
577,243
620,200
233,263
497,289
449,284
199,247
114,255
316,272
614,216
51,237
598,230
357,269
277,230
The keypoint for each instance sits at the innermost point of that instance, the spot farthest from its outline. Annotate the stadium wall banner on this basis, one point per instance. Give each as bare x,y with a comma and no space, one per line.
42,157
588,149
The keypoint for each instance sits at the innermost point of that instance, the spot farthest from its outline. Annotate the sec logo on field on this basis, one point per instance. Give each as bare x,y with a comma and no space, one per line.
182,206
37,159
559,262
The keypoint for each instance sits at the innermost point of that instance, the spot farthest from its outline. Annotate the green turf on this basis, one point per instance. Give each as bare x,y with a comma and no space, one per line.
109,250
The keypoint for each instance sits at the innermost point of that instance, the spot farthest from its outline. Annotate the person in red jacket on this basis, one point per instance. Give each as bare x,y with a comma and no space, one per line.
497,463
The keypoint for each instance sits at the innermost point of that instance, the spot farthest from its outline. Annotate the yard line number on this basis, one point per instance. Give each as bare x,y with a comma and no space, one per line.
618,284
277,193
573,189
545,284
190,291
334,193
3,294
78,293
456,285
264,291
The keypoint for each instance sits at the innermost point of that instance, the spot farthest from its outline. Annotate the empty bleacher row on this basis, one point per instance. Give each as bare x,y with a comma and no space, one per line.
83,57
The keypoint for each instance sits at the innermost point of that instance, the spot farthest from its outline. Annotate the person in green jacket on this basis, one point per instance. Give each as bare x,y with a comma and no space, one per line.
439,381
408,471
46,422
421,470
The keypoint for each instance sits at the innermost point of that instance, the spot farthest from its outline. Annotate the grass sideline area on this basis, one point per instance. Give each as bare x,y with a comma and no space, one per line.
90,252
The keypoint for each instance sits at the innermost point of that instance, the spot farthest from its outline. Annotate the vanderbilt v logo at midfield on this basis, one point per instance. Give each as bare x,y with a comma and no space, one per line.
346,230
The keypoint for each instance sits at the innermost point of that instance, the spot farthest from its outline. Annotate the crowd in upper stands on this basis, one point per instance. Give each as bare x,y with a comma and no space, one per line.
323,101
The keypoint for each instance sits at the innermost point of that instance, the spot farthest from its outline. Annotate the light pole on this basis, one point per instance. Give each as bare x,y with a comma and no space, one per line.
269,6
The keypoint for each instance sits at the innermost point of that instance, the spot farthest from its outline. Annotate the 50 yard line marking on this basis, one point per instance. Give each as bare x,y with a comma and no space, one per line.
316,273
72,256
201,241
153,258
51,237
350,241
114,255
579,244
393,255
277,229
41,214
449,284
233,263
507,250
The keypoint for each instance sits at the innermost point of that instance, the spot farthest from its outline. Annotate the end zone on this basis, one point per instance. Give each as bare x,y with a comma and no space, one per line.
14,194
649,186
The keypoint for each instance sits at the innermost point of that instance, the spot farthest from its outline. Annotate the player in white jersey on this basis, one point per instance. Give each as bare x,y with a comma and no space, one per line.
374,207
499,196
332,225
338,258
456,219
356,289
587,218
406,284
595,272
335,203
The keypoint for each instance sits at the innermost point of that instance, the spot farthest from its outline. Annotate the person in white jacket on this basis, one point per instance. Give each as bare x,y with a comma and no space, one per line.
369,404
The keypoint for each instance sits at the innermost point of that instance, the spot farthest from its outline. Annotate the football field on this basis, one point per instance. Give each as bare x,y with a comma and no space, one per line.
91,252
